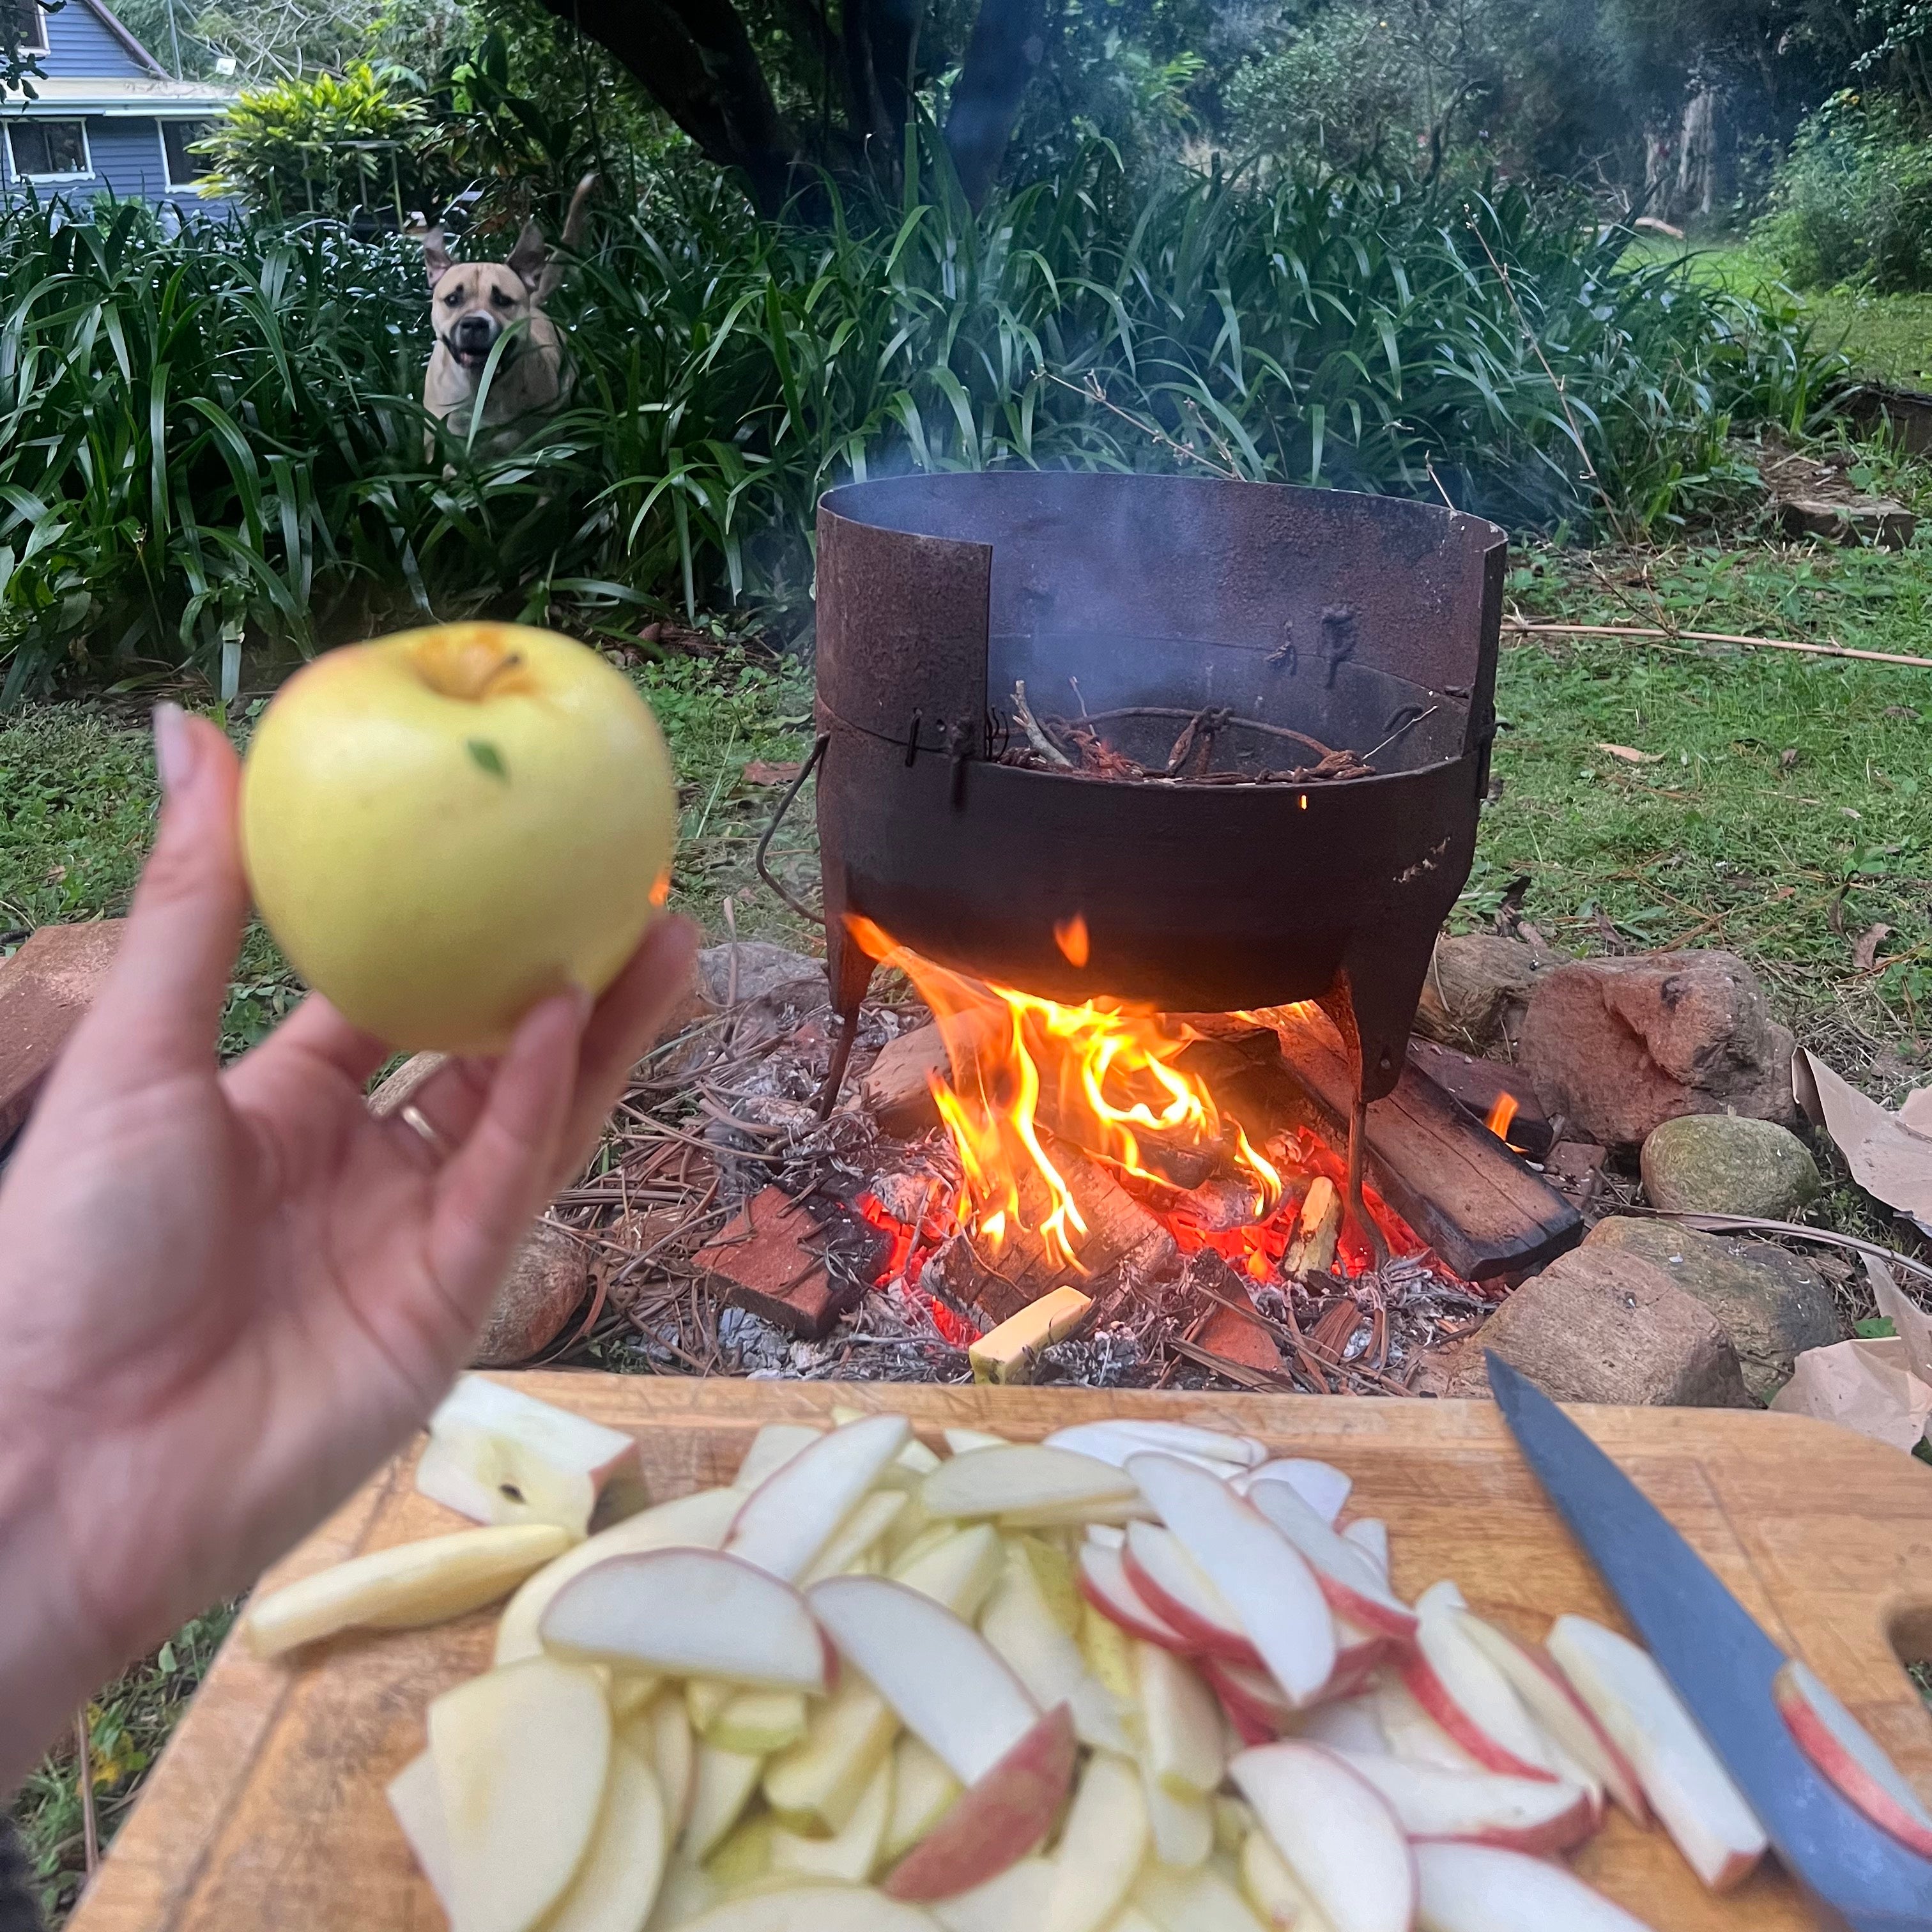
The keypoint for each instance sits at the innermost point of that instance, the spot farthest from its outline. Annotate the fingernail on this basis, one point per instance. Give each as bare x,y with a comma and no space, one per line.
174,749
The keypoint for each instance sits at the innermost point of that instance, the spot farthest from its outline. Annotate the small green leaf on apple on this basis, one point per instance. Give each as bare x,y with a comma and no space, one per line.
489,759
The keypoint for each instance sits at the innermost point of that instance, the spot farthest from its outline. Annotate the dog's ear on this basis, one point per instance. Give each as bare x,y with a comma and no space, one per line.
436,262
528,257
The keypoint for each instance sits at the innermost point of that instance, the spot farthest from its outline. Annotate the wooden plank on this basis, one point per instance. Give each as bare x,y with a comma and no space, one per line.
267,1810
1466,1193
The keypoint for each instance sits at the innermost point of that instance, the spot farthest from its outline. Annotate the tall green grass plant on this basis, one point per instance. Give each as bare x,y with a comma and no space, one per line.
215,443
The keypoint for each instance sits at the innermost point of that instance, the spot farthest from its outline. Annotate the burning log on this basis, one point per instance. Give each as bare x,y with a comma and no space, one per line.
1313,1250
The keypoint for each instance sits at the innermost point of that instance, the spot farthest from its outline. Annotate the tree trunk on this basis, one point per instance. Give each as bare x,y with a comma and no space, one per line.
1005,50
1697,155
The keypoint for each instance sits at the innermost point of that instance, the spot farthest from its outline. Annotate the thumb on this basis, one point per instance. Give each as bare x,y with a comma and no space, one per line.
159,1012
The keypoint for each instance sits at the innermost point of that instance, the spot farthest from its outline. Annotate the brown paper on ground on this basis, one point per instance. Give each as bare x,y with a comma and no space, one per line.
1889,1156
1861,1385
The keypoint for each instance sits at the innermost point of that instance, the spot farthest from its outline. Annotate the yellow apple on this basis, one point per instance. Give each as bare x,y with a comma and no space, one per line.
443,827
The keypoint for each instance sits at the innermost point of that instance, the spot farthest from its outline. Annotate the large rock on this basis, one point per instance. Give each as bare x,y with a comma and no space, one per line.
1725,1164
1772,1306
1478,989
1621,1046
763,968
1599,1326
547,1280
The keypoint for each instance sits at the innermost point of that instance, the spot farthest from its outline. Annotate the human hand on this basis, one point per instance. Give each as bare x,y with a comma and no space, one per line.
225,1296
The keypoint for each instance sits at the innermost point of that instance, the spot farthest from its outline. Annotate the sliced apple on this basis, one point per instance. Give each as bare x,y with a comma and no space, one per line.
1254,1704
1262,1575
923,1791
963,1442
1180,1722
1013,1902
1351,1724
1197,1900
662,1735
1078,1516
500,1455
721,1785
791,1516
812,1908
1849,1757
758,1722
521,1755
690,1613
1477,1888
407,1585
1105,1585
743,1860
1324,1487
1520,1814
1351,1582
1101,1846
1690,1790
1269,1884
1168,1580
1114,1441
416,1799
617,1883
696,1522
1020,1627
945,1680
856,1540
772,1448
851,1854
1180,1826
1569,1723
960,1569
1445,1595
1337,1833
999,1818
1369,1534
1109,1653
1411,1733
1455,1682
814,1787
1023,1476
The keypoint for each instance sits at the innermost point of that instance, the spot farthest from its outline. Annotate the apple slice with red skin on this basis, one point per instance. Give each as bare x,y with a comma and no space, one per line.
1337,1833
1481,1888
1323,1487
1454,1681
692,1613
997,1820
1369,1534
1687,1786
1521,1814
1169,1582
1105,1583
791,1516
948,1684
1264,1580
1349,1578
1348,1726
1572,1725
1254,1707
1849,1757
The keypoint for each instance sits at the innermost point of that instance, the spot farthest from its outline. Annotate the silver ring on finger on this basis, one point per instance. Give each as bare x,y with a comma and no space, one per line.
419,1123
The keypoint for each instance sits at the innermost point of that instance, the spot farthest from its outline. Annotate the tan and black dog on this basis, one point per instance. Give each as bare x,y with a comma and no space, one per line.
472,303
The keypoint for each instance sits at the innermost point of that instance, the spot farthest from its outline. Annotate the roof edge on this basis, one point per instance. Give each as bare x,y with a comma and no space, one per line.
125,35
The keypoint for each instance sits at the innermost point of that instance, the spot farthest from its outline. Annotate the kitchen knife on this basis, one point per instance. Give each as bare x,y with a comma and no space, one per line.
1722,1664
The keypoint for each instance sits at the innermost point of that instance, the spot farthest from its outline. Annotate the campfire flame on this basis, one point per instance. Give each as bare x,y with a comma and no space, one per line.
1107,1073
1502,1116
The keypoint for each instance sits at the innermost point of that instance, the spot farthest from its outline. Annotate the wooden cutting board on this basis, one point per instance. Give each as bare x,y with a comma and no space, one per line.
267,1811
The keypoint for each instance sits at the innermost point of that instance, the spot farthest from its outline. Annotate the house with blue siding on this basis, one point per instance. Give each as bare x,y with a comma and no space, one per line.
103,117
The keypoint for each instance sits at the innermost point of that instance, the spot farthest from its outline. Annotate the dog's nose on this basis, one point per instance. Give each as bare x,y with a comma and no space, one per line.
475,333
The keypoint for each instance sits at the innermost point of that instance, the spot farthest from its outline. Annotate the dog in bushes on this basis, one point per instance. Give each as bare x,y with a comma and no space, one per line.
473,305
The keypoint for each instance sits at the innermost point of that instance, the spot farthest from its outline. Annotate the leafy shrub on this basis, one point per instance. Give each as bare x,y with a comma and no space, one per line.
219,440
1853,203
326,144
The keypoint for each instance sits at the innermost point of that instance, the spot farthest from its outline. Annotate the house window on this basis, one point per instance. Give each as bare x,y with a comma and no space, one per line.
49,150
185,168
26,19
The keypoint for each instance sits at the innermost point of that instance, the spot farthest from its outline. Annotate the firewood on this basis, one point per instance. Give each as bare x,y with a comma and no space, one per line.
1313,1250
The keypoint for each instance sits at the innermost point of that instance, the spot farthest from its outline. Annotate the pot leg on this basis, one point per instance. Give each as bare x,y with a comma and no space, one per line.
848,967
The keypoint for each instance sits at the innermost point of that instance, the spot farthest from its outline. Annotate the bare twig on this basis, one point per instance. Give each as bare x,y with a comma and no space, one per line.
1092,390
1030,725
90,1822
1524,627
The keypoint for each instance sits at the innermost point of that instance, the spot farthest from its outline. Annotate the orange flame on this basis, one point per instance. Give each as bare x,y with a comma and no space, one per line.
1500,1115
1106,1073
1070,936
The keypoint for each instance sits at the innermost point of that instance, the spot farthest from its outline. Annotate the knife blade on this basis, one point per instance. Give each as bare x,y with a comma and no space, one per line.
1722,1665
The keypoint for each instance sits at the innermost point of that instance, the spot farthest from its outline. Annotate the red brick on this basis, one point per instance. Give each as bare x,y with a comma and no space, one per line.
762,1264
1232,1336
45,988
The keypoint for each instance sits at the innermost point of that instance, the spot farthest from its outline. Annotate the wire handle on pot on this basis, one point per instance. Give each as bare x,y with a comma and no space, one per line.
805,771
